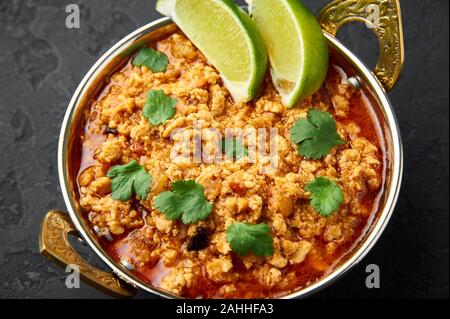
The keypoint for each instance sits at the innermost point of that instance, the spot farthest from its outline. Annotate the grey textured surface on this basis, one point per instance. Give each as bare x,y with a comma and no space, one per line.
41,63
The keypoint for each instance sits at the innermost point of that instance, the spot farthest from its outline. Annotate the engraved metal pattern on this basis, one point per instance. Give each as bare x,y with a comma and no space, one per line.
54,244
388,29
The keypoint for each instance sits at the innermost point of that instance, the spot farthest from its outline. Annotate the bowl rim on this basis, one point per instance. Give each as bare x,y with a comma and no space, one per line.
360,252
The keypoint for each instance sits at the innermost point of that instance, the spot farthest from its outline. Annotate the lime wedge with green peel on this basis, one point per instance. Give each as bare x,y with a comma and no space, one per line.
228,38
297,48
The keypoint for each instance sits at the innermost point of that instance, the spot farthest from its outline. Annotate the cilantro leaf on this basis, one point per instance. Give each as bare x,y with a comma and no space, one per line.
186,200
316,135
327,196
128,180
154,60
159,107
233,148
244,238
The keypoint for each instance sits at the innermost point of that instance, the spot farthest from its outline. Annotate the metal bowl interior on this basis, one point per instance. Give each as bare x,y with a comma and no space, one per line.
114,58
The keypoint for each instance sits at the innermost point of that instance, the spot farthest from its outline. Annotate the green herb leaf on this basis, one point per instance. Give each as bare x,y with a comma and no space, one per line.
316,135
133,48
128,180
245,238
233,148
186,200
159,107
327,196
154,60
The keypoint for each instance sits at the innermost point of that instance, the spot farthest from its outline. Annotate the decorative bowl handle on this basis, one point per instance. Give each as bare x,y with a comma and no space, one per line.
384,18
54,244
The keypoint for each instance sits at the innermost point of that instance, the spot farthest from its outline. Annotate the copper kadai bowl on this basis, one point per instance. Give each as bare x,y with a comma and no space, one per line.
56,225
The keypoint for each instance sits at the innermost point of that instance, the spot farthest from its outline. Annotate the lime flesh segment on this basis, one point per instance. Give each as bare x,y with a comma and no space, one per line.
297,48
227,37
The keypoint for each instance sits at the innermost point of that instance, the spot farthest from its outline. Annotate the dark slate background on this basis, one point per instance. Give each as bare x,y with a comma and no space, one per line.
41,63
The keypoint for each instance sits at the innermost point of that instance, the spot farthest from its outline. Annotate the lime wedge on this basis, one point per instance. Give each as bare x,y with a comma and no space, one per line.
228,38
297,48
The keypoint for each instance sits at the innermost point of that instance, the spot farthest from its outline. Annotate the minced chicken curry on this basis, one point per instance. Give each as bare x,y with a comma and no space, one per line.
274,215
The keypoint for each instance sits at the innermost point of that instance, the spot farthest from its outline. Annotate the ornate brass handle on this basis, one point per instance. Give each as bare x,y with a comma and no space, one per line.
384,18
54,244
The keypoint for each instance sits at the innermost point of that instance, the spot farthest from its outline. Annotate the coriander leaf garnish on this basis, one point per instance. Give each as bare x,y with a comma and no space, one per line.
159,107
316,135
128,180
154,60
327,196
245,238
233,148
186,200
130,50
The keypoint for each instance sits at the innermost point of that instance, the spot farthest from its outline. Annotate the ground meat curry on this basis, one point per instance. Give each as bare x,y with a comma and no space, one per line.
196,259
